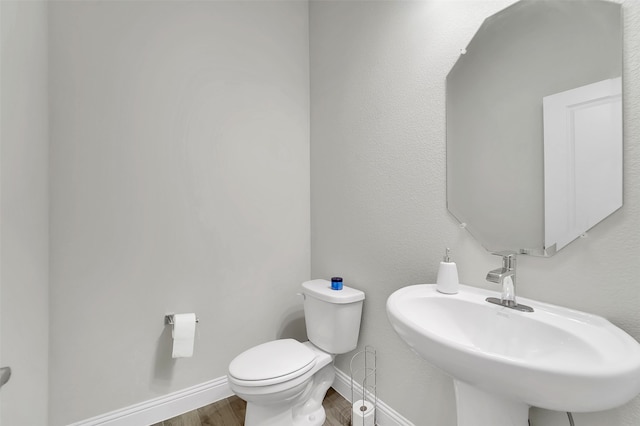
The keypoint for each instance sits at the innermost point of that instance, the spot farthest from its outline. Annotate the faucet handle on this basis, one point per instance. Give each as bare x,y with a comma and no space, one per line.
508,259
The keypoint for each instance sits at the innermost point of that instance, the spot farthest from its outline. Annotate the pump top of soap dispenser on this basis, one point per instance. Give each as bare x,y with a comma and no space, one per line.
447,255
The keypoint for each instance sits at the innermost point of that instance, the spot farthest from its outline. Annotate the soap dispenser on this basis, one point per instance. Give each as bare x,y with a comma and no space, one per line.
447,281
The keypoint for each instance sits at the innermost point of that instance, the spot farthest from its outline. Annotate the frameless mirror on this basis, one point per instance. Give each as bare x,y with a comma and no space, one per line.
534,125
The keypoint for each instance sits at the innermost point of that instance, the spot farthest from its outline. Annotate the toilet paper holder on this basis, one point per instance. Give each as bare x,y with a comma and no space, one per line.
169,319
363,368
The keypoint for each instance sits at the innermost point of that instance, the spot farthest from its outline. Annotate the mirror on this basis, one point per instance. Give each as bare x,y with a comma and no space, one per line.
534,125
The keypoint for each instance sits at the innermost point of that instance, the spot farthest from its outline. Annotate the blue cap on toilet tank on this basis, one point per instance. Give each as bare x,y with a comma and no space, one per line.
336,283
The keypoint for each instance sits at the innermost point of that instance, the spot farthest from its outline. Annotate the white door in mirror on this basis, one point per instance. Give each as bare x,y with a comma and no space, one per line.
582,159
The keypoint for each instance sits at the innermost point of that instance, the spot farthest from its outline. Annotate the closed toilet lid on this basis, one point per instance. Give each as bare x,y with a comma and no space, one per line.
285,359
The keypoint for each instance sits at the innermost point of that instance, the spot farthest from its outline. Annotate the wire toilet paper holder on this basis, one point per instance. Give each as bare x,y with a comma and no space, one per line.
363,382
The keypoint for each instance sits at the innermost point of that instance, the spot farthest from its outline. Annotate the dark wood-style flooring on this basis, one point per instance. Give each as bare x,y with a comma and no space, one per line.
230,412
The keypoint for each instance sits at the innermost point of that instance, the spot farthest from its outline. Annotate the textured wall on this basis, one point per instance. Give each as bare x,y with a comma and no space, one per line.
378,188
179,183
24,239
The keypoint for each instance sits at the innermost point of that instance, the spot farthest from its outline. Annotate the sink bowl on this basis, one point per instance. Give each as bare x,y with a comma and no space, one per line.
506,361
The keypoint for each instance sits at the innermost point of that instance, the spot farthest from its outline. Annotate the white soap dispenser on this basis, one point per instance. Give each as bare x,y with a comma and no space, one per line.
447,281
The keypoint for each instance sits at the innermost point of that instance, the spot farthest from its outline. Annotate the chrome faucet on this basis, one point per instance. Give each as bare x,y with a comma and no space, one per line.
506,277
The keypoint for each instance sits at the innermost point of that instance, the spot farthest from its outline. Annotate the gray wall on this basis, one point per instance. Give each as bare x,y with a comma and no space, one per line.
379,219
24,238
179,183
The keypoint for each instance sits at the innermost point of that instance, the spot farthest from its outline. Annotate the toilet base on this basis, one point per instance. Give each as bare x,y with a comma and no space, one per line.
304,410
310,412
315,418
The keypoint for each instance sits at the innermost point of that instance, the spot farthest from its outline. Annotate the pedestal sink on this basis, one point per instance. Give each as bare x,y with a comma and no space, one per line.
504,361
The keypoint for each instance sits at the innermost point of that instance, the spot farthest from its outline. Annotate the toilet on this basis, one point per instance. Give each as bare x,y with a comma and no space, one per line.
284,381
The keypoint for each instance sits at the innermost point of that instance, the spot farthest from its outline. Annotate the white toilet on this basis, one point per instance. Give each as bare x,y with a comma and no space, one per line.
284,381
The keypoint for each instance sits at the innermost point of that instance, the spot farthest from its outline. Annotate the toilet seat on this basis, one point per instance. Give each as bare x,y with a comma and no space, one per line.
271,363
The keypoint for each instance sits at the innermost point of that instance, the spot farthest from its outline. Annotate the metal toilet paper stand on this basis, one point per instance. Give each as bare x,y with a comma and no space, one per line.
363,384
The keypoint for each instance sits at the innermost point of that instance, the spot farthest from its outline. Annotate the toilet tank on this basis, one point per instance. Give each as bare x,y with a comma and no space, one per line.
332,316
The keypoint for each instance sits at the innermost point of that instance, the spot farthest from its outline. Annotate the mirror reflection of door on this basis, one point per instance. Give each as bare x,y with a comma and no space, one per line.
582,159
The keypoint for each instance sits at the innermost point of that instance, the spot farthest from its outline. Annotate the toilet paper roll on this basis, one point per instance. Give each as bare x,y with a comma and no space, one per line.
363,413
184,332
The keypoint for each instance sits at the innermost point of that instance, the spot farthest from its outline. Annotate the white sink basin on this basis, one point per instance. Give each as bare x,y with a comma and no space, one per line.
505,360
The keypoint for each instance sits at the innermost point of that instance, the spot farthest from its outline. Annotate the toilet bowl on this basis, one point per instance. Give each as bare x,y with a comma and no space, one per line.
284,381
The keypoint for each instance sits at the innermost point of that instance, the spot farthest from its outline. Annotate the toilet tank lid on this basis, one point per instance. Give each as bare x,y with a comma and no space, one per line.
321,289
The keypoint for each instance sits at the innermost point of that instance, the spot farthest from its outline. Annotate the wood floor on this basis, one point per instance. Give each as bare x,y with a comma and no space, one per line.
230,412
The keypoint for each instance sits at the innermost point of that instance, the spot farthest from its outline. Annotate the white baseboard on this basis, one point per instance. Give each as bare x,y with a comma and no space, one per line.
386,416
164,407
176,403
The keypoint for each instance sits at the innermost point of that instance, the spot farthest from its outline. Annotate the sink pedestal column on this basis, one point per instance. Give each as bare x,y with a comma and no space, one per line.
477,407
